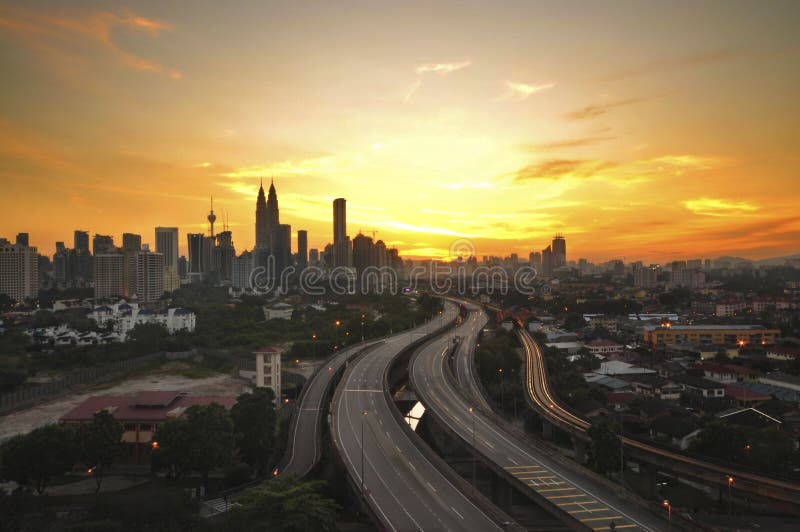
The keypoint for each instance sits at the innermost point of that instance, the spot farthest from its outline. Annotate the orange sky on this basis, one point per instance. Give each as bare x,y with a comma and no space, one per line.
639,130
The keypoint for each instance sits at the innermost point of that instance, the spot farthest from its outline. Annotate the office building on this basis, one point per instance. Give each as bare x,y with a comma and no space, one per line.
19,271
267,217
195,247
728,335
224,255
242,270
80,240
131,242
302,248
282,247
167,244
102,244
362,252
22,239
559,248
313,256
147,279
109,274
547,262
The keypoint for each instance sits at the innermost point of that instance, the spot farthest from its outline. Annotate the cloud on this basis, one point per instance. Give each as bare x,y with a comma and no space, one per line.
442,68
560,168
520,91
569,143
720,207
46,31
595,110
676,63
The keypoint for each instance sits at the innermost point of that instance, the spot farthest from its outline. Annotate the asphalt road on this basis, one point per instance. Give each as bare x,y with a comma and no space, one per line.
464,360
306,448
403,488
583,498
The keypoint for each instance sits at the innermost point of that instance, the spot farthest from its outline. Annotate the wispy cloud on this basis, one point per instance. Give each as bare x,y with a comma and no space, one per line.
561,168
441,69
569,143
720,207
676,63
599,109
52,31
517,92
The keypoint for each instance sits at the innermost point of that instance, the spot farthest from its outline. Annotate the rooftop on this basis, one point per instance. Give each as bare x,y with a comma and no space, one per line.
706,328
143,406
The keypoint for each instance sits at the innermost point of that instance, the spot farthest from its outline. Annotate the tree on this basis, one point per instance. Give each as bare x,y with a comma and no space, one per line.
36,457
604,457
286,505
254,424
100,444
720,440
200,441
6,302
147,337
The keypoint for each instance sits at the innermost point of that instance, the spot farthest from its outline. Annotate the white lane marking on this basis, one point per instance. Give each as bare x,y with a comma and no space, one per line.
456,511
512,460
431,486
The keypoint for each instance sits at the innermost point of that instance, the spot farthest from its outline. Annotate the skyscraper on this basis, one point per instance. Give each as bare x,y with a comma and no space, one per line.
342,253
110,274
282,247
19,271
362,252
547,261
131,242
167,244
302,248
81,240
559,251
102,244
224,254
147,281
267,216
22,239
195,246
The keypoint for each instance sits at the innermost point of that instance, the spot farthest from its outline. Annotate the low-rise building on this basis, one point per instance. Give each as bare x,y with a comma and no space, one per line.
668,334
698,385
604,347
278,311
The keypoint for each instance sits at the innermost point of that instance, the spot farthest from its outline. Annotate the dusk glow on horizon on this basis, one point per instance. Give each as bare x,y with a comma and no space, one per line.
644,131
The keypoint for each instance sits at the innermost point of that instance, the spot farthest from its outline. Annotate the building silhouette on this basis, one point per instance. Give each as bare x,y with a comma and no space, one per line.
342,251
559,251
19,271
302,248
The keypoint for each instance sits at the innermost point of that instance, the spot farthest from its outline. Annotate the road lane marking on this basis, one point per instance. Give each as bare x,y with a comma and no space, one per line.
618,526
558,489
593,510
601,518
456,511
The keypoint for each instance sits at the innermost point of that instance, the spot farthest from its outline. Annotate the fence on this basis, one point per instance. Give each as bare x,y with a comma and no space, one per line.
31,394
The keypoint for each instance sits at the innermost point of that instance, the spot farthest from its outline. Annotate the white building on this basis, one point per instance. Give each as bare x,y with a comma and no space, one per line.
147,275
278,311
19,271
125,316
268,369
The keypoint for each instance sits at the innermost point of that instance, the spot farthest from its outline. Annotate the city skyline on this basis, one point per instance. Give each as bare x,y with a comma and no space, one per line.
127,118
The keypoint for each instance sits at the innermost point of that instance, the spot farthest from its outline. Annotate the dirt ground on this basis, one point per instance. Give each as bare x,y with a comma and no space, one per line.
26,420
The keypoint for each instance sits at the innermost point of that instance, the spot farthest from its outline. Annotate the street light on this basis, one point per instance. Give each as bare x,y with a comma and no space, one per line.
668,506
363,416
363,317
337,334
730,483
472,411
502,401
314,345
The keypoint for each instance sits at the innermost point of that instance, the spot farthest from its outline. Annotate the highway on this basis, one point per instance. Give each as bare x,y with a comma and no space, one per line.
464,359
305,445
586,501
403,488
542,398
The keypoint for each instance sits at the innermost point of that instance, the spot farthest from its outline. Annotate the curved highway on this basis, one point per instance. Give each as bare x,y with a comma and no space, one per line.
403,488
538,390
305,443
464,362
566,492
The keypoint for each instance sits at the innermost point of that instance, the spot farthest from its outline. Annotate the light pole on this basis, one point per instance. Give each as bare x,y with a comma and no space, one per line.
472,411
621,458
363,416
337,334
314,345
668,506
502,401
730,502
362,327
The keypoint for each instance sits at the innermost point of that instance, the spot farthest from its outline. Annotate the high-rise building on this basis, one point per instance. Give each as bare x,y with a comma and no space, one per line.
339,220
302,248
195,245
183,267
224,254
547,261
147,281
535,259
60,264
362,252
109,274
81,240
282,247
19,271
559,247
313,256
342,252
102,244
22,239
644,276
242,270
267,216
131,242
167,244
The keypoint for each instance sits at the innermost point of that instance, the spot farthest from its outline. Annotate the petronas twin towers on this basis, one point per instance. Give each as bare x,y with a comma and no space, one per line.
267,218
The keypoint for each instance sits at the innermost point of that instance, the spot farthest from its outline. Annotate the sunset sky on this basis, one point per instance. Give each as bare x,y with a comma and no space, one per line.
639,130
